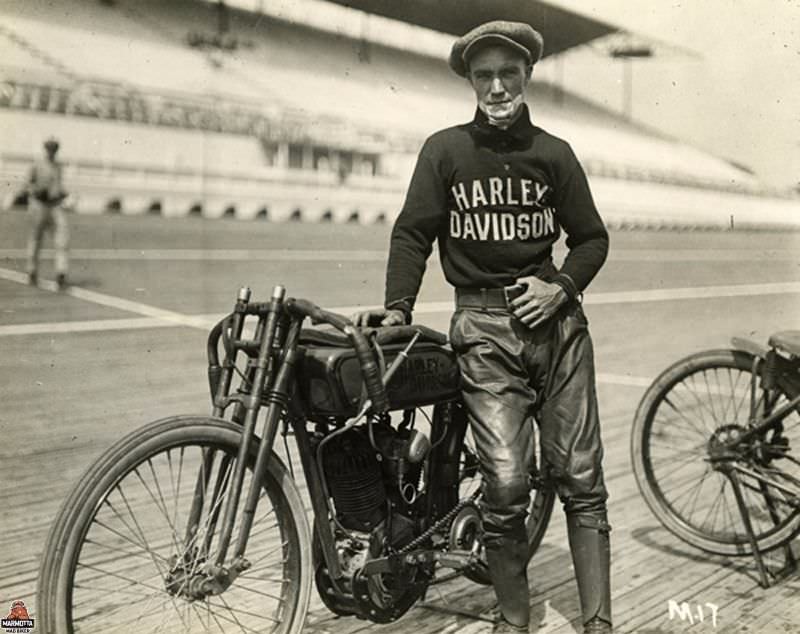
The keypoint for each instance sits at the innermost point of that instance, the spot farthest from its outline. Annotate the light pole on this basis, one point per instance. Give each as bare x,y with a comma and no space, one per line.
627,53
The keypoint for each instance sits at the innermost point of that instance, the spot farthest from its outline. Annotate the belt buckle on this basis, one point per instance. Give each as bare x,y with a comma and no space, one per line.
515,291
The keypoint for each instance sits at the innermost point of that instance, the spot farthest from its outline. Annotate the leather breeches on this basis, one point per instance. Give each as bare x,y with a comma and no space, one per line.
513,376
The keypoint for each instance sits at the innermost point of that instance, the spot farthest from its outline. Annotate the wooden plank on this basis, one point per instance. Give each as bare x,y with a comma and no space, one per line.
67,397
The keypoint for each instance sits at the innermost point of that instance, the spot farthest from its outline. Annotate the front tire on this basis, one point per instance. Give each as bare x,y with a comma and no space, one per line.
115,548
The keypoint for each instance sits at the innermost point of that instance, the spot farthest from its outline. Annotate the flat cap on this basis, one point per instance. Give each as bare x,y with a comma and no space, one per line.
516,35
51,142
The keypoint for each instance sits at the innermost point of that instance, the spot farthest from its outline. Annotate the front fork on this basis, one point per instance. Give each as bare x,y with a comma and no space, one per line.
268,377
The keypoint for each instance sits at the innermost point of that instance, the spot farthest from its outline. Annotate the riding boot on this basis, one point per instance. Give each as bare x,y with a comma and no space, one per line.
508,569
591,556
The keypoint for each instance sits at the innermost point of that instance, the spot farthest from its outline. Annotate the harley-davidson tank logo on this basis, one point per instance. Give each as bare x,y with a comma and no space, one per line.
425,374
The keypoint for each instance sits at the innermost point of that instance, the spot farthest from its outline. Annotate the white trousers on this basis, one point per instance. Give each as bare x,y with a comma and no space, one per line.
43,217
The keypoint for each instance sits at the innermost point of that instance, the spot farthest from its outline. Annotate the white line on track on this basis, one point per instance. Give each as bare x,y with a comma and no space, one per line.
630,297
102,299
89,325
698,292
626,380
160,317
236,255
154,317
111,301
377,255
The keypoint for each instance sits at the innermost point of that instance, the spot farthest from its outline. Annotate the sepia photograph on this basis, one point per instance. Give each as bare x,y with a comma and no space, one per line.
399,316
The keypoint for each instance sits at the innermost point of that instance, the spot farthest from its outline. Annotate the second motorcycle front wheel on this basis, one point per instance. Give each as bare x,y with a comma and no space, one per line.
125,554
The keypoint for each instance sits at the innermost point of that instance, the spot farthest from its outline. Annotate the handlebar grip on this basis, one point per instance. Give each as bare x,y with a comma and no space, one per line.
337,321
370,371
303,307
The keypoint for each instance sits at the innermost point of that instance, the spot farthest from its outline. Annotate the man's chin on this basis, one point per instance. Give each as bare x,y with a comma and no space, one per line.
500,113
502,117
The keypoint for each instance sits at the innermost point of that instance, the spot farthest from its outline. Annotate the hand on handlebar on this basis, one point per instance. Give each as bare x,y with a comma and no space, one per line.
379,317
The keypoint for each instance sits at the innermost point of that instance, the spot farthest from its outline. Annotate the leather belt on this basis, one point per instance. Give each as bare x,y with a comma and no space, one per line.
487,298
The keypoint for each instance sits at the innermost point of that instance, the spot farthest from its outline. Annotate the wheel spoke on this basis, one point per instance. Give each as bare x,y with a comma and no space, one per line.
710,394
672,466
240,611
697,490
209,616
117,549
269,552
105,590
703,405
124,626
177,486
130,540
232,614
715,503
141,532
263,594
161,504
732,520
115,575
689,422
680,488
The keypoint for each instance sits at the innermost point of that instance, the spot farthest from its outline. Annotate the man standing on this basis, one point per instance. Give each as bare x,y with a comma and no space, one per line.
496,193
45,195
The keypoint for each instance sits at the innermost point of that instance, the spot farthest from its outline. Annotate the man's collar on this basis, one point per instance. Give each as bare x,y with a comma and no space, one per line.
521,129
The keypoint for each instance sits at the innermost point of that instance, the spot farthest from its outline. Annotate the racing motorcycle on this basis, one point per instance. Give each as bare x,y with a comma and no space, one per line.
201,524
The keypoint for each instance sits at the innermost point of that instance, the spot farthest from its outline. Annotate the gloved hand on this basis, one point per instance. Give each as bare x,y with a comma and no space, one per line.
379,317
539,302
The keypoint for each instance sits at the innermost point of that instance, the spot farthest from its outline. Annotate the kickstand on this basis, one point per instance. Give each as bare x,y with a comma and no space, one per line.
748,526
789,560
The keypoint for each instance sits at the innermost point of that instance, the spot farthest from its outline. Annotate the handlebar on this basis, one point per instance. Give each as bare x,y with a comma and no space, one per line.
369,368
317,315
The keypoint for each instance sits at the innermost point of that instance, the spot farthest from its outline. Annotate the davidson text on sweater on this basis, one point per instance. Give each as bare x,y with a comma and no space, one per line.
490,225
486,224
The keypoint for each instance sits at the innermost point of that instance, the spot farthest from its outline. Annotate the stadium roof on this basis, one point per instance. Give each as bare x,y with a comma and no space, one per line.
562,29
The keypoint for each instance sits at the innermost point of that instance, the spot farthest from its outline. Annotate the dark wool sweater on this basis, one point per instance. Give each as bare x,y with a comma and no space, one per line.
496,200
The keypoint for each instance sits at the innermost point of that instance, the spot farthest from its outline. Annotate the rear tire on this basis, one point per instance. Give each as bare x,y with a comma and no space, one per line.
701,396
109,556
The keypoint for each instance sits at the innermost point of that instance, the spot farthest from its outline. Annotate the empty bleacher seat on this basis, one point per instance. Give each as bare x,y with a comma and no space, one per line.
293,90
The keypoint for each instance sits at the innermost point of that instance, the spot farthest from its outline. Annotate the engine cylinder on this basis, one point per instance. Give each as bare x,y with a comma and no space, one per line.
355,481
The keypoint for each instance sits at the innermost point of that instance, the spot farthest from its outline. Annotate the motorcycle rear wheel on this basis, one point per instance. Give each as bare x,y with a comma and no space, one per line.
543,497
113,552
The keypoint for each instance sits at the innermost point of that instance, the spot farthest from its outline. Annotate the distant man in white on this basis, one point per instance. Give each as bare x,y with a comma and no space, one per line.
45,197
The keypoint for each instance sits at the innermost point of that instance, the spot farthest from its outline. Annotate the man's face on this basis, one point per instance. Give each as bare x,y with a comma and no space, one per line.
499,76
51,151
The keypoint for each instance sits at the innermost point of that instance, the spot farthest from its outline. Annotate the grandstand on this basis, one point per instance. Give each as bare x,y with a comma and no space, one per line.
161,108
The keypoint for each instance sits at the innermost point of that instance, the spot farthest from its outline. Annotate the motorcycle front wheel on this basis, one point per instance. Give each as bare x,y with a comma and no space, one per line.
121,558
